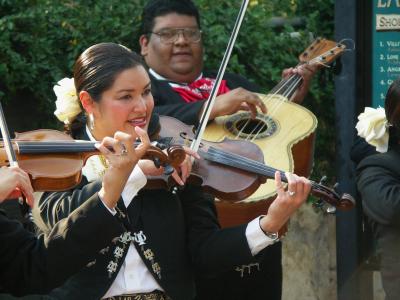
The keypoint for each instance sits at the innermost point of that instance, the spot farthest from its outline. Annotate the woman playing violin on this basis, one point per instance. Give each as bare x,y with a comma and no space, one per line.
170,234
37,265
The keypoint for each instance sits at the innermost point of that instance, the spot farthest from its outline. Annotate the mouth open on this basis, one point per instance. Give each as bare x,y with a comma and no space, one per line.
141,122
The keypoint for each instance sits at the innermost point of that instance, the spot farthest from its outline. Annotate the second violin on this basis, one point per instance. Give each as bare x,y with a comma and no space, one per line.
232,170
54,160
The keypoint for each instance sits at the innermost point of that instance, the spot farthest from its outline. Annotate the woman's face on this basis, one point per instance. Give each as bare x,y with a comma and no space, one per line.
128,103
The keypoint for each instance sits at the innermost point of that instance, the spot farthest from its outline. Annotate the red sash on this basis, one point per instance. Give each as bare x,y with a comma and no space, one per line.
200,90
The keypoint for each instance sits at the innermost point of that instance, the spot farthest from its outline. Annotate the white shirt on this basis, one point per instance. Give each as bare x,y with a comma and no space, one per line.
172,84
134,277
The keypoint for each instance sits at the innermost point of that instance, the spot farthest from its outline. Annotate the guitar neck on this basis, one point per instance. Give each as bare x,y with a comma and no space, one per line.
287,86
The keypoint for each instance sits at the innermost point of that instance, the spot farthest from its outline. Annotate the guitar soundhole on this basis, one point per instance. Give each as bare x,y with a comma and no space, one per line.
243,126
250,126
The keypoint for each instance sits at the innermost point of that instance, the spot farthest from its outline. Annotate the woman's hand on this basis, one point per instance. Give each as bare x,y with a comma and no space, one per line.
122,158
287,202
180,175
235,100
14,183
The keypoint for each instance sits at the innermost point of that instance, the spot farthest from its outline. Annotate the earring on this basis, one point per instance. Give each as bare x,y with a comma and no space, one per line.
91,122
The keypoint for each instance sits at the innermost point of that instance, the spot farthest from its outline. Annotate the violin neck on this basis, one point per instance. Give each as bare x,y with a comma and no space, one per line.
246,164
45,147
48,147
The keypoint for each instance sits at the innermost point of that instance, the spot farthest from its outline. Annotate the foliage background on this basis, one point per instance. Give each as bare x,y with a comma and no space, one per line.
40,40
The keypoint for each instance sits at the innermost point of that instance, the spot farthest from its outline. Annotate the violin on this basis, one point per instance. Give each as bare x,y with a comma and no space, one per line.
233,169
54,160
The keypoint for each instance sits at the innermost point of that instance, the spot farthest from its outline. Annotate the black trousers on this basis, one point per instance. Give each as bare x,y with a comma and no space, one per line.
254,281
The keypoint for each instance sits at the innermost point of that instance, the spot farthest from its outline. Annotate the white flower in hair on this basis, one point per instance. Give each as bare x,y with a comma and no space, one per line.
67,103
372,126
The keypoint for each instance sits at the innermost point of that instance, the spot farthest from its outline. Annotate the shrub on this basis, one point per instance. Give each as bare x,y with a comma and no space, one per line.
40,40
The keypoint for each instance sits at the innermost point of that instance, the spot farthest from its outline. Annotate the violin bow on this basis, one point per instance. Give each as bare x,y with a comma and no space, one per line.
213,95
12,158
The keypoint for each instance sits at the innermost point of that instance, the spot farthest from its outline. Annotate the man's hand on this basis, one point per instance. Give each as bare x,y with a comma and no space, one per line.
306,72
235,100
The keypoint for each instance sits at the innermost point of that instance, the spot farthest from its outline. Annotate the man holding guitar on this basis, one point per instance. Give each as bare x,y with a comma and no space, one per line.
172,48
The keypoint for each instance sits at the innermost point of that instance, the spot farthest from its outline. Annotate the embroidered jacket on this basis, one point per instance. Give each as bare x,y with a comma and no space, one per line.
36,265
173,235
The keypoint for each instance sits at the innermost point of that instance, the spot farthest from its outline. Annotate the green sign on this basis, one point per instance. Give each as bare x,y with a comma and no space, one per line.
385,47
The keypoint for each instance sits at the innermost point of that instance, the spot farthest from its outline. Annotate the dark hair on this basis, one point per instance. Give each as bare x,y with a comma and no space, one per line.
95,71
392,111
157,8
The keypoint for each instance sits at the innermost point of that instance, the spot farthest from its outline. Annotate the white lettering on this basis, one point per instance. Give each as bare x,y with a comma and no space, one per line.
392,56
388,3
393,44
393,69
382,4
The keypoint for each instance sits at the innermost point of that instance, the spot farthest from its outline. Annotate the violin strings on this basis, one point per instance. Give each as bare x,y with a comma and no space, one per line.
246,164
54,146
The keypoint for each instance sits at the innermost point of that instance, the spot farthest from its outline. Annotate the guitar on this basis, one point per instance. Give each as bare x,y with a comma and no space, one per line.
285,134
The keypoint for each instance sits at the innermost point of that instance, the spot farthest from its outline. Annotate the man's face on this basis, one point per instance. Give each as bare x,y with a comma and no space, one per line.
178,59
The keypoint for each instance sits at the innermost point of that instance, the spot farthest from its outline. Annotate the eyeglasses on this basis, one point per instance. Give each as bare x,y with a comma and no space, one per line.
170,36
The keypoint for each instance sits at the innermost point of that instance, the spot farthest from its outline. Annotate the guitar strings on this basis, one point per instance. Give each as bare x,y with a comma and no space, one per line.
290,86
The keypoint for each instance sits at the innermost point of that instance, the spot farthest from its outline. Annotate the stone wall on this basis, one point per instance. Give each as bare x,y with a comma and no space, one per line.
309,256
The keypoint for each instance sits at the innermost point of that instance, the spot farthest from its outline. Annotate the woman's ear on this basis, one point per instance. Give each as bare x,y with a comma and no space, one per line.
87,102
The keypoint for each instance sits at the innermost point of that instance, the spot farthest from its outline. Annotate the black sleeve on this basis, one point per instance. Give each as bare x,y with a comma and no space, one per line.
188,113
235,81
213,250
55,206
360,150
169,103
379,188
37,265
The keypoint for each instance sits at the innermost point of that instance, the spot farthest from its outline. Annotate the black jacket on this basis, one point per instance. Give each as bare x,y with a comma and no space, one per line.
181,232
36,265
378,181
169,103
266,281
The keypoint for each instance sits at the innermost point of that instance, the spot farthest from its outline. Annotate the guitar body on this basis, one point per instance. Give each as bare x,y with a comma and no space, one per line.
287,141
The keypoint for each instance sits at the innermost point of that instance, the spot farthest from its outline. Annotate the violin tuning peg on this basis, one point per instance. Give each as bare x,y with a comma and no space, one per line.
163,143
157,162
323,179
160,145
318,204
331,210
168,170
336,186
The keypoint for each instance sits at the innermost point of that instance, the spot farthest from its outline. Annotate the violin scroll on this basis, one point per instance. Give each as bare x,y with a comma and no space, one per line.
331,198
172,159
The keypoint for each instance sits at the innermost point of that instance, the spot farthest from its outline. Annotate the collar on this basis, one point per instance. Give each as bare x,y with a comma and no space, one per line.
171,83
